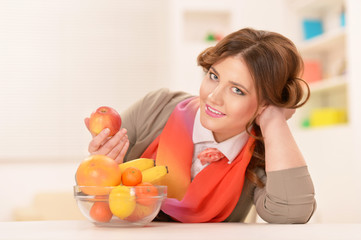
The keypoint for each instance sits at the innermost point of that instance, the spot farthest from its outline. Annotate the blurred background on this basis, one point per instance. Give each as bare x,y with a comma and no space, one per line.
61,59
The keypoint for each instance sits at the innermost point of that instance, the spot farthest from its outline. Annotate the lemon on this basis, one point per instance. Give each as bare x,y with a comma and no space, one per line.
121,201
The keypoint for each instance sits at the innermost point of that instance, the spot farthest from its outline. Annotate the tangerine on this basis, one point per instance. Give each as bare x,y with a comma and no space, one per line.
146,193
131,176
100,212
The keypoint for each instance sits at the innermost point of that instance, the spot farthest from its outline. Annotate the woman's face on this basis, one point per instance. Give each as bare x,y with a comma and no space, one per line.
228,98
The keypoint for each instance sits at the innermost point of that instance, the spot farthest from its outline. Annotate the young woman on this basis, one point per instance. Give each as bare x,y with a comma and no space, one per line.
250,89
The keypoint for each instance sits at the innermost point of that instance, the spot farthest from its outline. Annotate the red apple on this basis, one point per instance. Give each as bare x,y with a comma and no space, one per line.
105,117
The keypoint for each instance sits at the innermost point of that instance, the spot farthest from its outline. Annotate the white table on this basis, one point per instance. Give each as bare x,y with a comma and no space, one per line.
221,231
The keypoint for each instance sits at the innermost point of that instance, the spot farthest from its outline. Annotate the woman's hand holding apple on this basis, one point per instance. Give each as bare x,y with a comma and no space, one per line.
114,147
112,140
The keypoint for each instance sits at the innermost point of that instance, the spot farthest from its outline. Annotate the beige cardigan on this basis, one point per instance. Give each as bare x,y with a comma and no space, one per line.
288,196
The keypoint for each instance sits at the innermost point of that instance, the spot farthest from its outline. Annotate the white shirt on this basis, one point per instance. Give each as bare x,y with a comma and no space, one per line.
203,138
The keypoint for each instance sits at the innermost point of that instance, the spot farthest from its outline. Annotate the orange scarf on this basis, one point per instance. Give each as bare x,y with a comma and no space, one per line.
215,191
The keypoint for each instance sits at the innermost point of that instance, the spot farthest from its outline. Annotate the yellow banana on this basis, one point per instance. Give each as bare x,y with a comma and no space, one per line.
140,163
154,174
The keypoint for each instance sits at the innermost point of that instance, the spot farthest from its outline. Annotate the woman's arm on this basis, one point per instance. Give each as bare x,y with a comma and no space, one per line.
281,150
142,122
288,195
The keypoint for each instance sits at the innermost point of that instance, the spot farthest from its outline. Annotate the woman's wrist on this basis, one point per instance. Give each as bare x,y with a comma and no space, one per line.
272,120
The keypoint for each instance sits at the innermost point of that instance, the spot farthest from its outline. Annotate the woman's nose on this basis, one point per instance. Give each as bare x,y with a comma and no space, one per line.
216,96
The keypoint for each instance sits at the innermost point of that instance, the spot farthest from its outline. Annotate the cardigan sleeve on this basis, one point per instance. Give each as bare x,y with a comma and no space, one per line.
146,118
288,196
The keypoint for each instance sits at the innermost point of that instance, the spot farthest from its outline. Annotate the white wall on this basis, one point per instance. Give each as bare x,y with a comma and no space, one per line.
354,48
60,60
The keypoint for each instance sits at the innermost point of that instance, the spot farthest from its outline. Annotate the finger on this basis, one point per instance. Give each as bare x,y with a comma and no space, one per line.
114,152
120,158
112,142
99,140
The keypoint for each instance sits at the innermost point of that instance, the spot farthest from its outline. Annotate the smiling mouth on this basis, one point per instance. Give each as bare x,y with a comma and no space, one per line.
213,112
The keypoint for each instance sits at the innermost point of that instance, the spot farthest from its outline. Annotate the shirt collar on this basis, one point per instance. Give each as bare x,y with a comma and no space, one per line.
230,147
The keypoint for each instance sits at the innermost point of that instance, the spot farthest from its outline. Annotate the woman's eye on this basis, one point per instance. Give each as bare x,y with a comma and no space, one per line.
213,76
237,91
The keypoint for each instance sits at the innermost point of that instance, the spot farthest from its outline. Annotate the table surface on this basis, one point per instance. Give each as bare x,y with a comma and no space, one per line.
156,230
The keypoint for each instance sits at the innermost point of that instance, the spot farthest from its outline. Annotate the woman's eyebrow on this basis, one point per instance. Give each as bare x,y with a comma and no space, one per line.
239,85
214,70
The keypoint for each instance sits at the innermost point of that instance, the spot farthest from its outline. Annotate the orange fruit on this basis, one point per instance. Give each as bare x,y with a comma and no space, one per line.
100,212
99,171
131,176
146,193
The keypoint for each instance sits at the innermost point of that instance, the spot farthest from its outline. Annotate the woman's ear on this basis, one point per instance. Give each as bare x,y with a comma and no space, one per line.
262,107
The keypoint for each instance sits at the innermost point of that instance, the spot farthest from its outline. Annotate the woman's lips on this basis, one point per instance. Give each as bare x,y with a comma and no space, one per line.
213,112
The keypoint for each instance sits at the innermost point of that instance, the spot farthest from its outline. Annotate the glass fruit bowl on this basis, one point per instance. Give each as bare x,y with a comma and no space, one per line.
120,206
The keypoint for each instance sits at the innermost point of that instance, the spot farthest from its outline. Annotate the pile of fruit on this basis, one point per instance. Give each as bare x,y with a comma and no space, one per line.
127,190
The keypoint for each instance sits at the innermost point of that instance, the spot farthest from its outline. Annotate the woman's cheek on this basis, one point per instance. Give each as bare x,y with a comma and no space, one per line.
204,90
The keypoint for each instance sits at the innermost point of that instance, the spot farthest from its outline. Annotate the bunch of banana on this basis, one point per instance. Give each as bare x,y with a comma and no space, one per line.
140,163
154,174
150,172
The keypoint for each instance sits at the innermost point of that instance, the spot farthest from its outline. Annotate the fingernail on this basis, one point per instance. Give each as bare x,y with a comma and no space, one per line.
124,130
106,131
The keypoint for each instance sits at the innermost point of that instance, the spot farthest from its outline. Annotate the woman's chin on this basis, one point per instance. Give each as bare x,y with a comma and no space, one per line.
210,124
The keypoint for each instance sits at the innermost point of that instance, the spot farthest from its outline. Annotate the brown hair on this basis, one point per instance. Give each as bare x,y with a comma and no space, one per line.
275,66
